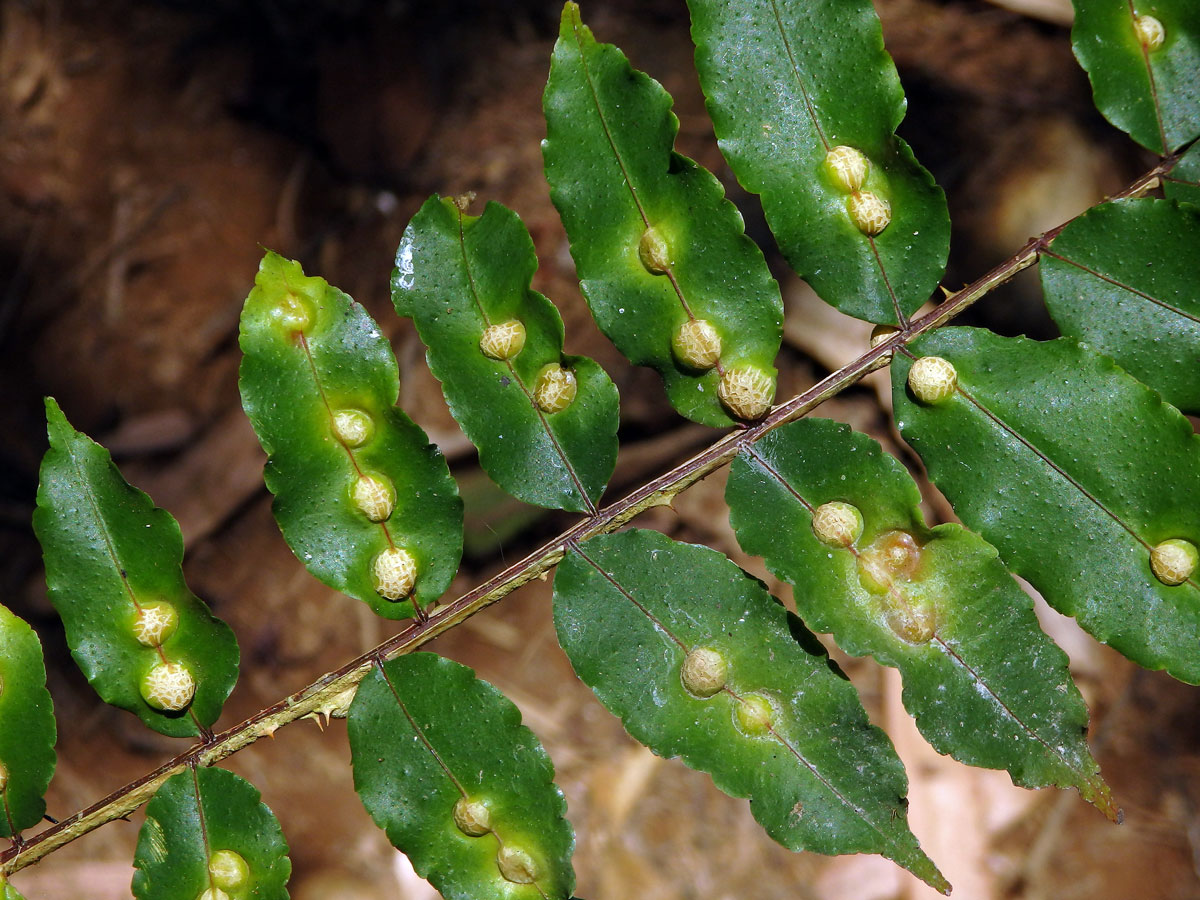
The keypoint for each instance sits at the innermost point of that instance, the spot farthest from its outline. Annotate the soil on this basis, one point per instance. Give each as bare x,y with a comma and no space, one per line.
150,150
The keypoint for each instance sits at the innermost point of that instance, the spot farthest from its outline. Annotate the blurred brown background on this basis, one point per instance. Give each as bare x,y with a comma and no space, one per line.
149,149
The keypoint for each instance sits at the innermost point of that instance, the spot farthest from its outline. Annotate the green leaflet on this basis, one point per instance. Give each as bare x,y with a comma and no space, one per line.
1183,181
362,497
1122,279
655,242
113,569
8,892
464,280
28,733
1143,61
444,765
765,712
983,681
209,836
789,82
1075,471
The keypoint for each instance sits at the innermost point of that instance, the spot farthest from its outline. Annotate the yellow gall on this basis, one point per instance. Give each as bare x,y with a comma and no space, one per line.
374,497
869,212
837,524
169,687
555,389
914,625
516,865
893,557
292,313
212,893
353,427
1150,31
754,715
155,623
228,870
703,672
654,252
1174,561
881,333
746,391
3,777
932,380
847,168
395,573
696,344
503,341
472,817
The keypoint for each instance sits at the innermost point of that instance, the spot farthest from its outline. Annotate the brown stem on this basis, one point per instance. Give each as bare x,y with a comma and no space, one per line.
330,693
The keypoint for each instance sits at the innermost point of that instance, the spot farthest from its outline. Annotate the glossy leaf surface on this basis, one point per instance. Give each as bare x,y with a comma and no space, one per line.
1074,471
1122,279
1152,93
457,276
983,681
613,176
112,559
28,733
434,746
208,829
631,607
1183,181
8,892
787,81
319,383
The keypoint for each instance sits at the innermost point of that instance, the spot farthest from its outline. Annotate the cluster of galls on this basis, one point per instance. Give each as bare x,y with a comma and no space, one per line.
474,819
228,874
848,168
168,686
745,390
704,673
555,387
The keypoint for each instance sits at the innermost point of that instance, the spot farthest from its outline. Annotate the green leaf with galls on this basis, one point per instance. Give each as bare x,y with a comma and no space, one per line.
114,572
700,662
493,343
1143,60
27,737
361,496
984,682
1122,279
1182,183
665,264
1076,473
445,767
805,102
209,836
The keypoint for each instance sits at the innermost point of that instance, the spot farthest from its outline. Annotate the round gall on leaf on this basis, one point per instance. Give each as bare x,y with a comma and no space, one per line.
893,557
704,672
754,715
472,817
869,212
1150,31
503,341
555,389
212,893
516,865
847,168
155,623
292,313
375,497
837,524
228,870
932,380
353,427
746,391
697,345
395,573
654,252
3,777
169,687
915,625
1174,561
